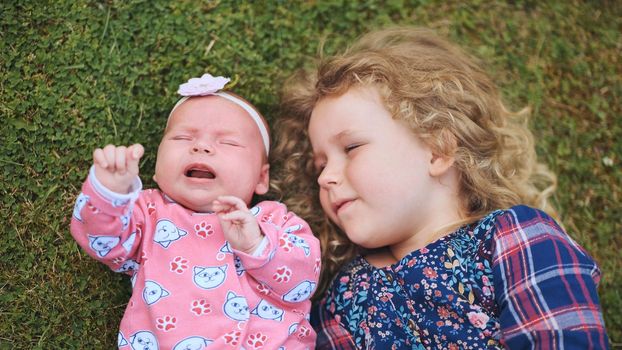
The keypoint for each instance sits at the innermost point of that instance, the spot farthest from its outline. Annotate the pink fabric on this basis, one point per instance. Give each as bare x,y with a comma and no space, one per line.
188,286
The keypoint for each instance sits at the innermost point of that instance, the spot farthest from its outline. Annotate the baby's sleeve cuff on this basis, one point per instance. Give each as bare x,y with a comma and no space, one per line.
262,246
117,199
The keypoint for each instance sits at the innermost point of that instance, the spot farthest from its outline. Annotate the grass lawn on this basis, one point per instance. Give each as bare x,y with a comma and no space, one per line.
75,75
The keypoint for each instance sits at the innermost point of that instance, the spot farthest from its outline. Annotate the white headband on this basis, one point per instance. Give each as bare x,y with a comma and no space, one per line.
209,85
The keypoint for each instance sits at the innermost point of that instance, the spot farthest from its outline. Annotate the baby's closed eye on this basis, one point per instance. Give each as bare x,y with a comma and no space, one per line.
228,142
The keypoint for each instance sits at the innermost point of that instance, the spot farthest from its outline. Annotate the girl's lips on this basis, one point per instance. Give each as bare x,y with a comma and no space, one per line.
342,205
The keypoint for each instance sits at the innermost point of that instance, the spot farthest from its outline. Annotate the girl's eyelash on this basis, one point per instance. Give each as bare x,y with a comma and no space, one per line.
351,147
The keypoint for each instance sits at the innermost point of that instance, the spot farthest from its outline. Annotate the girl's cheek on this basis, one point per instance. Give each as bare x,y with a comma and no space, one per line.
326,207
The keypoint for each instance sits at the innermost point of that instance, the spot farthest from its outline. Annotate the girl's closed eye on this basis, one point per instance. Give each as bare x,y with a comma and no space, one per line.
351,147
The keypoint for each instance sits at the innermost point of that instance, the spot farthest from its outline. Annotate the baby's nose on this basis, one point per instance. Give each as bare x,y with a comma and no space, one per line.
200,147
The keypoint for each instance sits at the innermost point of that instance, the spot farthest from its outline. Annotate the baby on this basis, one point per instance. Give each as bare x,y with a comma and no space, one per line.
206,270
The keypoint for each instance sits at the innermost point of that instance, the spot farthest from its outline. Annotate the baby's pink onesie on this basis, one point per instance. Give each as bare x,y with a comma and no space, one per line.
190,288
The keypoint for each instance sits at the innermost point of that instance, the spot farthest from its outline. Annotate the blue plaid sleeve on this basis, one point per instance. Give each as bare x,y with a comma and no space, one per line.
545,285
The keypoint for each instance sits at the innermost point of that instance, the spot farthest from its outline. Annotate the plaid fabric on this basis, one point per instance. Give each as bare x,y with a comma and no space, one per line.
546,285
330,333
544,290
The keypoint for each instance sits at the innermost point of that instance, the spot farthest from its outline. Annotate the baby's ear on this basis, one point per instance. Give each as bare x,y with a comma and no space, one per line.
443,158
264,180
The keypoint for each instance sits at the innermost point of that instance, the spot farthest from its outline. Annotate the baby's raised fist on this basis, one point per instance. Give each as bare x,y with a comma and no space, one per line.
116,167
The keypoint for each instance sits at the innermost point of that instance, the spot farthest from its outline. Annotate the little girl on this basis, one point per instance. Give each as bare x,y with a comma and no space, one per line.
206,270
429,185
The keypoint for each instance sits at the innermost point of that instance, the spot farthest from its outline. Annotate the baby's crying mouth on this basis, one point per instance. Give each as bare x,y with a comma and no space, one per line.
201,174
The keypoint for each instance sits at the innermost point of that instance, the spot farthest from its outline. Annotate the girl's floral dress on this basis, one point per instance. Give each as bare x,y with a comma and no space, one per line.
468,290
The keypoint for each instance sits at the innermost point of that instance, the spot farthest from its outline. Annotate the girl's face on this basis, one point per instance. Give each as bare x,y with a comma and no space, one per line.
374,176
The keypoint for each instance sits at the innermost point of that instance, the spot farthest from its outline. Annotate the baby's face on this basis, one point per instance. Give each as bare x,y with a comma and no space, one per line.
211,147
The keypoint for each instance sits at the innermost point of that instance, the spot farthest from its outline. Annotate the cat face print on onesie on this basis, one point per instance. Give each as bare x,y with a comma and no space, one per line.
296,240
166,232
80,203
103,244
209,277
144,340
367,160
300,293
193,343
153,292
236,307
268,311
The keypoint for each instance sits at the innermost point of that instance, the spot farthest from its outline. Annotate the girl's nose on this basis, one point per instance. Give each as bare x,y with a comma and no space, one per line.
328,177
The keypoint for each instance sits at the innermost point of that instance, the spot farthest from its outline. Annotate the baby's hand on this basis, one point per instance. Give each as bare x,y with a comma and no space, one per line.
239,226
116,167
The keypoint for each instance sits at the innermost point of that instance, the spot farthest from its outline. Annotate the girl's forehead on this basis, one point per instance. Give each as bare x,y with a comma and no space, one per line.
359,108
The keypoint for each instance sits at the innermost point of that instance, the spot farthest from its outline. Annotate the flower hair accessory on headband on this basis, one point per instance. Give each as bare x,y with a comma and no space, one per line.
203,86
210,85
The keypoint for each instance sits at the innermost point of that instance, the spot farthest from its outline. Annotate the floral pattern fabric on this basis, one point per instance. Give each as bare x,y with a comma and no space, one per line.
453,294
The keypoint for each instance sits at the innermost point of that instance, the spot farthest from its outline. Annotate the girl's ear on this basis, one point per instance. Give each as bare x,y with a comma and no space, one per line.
444,158
439,164
264,180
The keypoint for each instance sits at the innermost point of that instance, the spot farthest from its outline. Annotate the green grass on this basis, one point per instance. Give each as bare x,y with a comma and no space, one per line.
75,75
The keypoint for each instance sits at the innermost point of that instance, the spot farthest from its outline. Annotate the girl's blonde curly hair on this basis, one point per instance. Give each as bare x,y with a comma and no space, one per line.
447,100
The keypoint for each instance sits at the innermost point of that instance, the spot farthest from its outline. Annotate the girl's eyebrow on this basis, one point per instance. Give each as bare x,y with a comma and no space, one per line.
335,138
342,134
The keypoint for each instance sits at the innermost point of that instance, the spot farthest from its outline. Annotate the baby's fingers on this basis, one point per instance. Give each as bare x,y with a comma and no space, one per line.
133,155
99,158
234,203
234,216
119,159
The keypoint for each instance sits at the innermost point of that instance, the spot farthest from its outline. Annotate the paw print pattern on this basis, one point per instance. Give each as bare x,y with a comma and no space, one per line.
151,208
200,307
118,260
285,243
92,208
282,274
263,289
166,323
203,229
317,265
179,264
267,218
303,332
256,341
233,338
